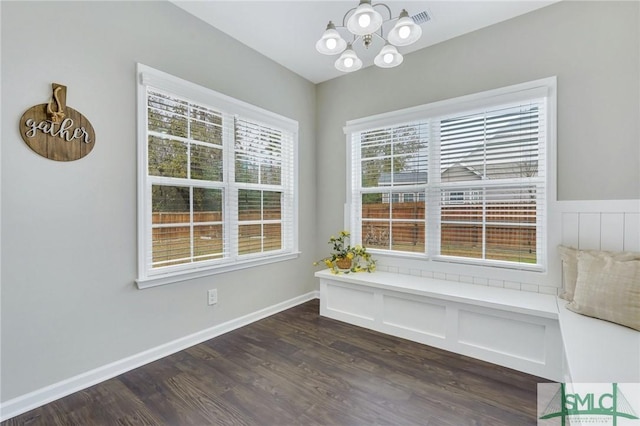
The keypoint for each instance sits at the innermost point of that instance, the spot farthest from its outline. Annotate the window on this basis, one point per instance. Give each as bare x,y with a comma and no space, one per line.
216,182
473,174
455,197
408,198
391,162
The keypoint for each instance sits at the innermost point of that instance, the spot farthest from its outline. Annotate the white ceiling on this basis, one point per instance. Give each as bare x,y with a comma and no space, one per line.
286,31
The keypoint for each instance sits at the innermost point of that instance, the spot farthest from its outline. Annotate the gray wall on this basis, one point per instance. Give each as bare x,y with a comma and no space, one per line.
69,303
69,229
593,49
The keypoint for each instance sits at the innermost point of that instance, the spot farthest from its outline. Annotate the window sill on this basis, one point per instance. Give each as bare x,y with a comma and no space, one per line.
491,263
164,279
455,260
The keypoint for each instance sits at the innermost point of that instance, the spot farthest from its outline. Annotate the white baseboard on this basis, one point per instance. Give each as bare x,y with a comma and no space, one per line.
37,398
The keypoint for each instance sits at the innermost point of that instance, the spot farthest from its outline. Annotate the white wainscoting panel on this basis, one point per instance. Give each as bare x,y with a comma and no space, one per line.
356,303
424,317
612,231
491,332
632,231
612,225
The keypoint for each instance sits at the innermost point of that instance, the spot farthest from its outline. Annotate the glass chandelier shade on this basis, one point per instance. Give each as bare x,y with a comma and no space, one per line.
388,57
365,20
366,25
331,42
348,61
405,32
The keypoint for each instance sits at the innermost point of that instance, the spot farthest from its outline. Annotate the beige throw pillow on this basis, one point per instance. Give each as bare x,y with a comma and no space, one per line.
569,257
608,288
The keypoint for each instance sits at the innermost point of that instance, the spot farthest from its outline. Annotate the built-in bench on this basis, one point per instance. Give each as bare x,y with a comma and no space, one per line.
597,351
529,332
507,327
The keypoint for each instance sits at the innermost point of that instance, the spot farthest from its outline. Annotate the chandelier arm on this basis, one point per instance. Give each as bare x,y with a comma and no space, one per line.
344,28
344,18
356,37
391,18
388,10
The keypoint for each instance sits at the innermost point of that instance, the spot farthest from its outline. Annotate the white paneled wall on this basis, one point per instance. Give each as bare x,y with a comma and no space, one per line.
601,225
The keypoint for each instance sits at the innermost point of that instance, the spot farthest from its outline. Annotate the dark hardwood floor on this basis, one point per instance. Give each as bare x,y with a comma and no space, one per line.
297,368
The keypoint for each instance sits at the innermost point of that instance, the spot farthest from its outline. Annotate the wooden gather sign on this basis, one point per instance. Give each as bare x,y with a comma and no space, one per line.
57,131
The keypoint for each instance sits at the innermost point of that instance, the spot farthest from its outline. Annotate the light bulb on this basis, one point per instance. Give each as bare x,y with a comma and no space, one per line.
348,61
364,20
388,57
404,31
331,42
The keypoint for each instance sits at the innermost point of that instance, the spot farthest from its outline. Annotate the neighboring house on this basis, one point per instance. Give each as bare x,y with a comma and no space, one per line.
493,161
387,179
458,172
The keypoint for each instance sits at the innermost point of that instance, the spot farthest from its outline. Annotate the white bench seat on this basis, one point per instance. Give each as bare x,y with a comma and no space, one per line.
542,305
507,327
598,351
530,332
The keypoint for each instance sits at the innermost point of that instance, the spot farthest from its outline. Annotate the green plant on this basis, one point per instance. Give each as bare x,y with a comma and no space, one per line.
361,261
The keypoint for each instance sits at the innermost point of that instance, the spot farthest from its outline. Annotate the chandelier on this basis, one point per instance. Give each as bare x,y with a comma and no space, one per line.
365,23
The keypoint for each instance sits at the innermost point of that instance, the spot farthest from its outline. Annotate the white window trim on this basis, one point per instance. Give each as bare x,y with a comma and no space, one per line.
546,87
147,76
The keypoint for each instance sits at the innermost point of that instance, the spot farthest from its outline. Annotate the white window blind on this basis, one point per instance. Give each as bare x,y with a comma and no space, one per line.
493,162
184,169
263,173
463,182
393,165
217,182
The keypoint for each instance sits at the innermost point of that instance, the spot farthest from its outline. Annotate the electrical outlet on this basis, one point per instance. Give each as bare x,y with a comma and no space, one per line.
212,296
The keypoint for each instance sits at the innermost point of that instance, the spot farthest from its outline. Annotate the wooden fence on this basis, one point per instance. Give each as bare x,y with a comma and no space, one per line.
182,219
508,228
